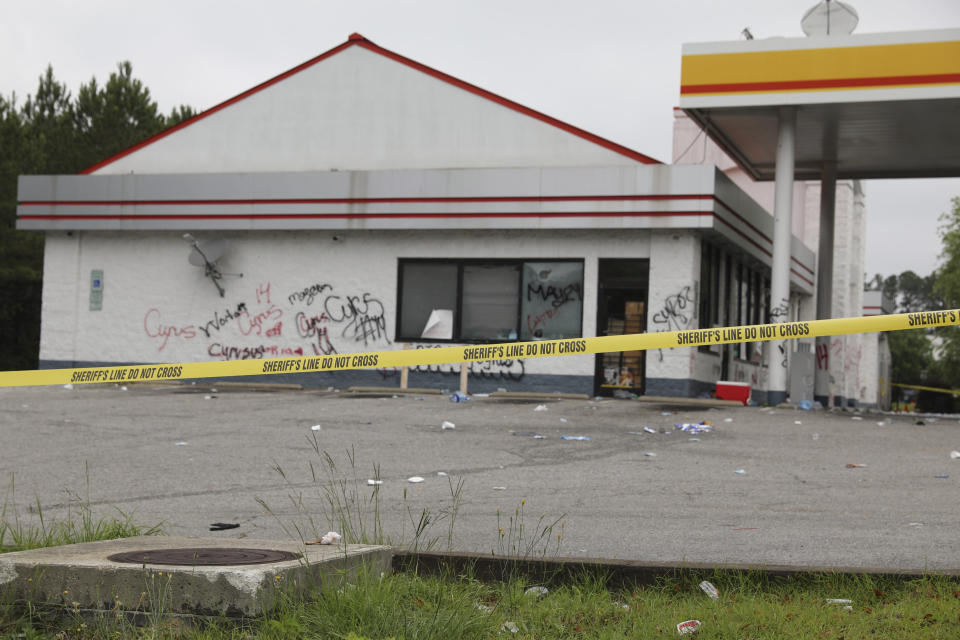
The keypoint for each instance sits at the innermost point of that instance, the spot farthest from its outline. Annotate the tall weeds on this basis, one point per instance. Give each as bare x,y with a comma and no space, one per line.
353,508
79,524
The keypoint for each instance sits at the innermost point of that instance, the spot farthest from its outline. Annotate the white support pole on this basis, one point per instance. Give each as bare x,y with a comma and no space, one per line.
828,201
782,236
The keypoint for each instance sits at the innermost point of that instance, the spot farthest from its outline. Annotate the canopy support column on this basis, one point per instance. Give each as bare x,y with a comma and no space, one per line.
828,201
782,240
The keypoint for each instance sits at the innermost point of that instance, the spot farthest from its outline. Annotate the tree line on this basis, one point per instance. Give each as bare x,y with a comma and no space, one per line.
928,357
54,132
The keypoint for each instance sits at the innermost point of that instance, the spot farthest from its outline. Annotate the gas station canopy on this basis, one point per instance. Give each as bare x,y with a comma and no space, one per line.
878,105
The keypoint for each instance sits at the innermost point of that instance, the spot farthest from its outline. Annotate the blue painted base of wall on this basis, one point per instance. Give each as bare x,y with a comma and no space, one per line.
481,382
679,388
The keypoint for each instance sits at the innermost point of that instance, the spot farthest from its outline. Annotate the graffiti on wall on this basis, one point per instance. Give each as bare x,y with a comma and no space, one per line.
505,369
675,314
321,318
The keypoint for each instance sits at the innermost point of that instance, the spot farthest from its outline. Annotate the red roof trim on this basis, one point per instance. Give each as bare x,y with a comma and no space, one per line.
510,104
359,40
222,105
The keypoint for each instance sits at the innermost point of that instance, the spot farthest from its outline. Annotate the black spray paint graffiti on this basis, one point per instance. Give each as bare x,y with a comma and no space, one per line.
220,321
362,317
309,326
674,315
556,296
782,310
506,369
308,293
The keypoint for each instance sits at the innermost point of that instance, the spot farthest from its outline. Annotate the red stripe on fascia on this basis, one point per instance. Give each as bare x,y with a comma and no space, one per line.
223,105
293,201
743,235
802,266
742,219
801,276
757,245
757,231
358,40
355,216
831,83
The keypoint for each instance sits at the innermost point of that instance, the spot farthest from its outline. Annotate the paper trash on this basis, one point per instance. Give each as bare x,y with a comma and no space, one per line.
439,325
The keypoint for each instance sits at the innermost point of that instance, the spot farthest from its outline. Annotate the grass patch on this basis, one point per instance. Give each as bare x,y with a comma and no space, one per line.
79,524
415,606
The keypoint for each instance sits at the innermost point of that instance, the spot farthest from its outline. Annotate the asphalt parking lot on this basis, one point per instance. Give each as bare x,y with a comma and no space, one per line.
765,486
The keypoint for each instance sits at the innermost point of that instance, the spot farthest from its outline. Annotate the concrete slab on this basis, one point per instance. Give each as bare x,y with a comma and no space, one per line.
81,577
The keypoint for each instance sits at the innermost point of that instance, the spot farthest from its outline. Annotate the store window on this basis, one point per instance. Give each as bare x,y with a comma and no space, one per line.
732,293
489,300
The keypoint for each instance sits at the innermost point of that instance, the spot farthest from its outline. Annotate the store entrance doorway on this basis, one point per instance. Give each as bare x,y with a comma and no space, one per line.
621,309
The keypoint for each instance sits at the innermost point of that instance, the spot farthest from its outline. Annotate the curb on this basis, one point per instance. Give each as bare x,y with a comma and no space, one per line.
622,572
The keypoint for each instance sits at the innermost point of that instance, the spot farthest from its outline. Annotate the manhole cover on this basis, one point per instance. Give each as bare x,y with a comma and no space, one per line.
204,556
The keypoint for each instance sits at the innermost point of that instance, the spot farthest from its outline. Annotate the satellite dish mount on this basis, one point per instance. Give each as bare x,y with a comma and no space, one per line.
206,254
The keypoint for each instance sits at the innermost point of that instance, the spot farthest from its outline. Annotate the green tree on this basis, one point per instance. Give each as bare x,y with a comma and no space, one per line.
911,351
54,134
48,122
948,288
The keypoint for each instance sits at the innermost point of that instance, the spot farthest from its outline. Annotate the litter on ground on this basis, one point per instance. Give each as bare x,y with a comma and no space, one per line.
574,437
696,427
332,537
710,590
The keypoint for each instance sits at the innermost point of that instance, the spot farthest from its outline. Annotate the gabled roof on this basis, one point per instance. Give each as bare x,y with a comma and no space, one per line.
357,40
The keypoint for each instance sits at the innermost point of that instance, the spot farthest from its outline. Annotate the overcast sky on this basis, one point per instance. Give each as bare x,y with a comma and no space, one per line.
611,67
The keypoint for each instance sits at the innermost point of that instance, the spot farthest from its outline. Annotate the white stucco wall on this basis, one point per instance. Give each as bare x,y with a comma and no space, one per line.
159,308
673,295
361,110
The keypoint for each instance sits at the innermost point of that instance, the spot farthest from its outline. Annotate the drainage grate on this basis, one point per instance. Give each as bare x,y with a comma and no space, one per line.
204,556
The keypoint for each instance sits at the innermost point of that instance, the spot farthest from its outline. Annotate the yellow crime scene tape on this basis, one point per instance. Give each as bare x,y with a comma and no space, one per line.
481,352
919,387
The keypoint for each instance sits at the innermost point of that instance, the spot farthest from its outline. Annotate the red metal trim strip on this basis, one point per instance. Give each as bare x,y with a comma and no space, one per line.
360,216
223,105
827,83
358,40
758,232
398,200
510,104
764,250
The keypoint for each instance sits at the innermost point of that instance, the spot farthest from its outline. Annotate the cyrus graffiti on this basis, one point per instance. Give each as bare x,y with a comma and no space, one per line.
255,328
362,317
226,352
154,327
675,313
